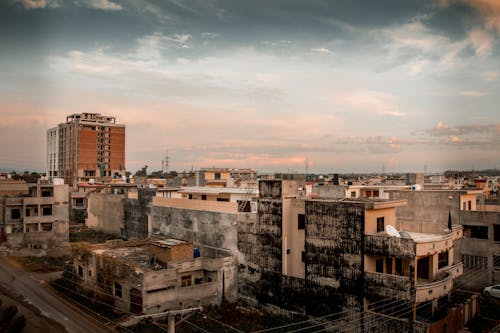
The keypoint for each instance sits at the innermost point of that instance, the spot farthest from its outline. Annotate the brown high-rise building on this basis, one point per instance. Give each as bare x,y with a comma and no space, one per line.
87,146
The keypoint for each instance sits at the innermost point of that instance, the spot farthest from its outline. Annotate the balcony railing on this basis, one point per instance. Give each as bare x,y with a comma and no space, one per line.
385,245
427,291
387,285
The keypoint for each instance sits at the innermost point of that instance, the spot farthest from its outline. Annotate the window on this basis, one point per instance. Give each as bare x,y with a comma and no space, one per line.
399,266
473,231
118,290
301,221
443,259
80,271
15,214
303,256
217,176
380,224
223,199
27,212
496,232
46,193
203,197
353,194
186,281
375,194
46,226
46,211
190,196
379,266
496,262
475,261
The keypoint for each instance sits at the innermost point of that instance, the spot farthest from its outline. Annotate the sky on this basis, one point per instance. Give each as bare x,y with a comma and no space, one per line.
339,86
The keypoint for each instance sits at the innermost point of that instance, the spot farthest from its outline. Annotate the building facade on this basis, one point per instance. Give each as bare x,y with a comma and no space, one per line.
87,146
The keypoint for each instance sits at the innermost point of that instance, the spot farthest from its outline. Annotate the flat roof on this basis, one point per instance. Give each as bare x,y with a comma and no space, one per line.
218,190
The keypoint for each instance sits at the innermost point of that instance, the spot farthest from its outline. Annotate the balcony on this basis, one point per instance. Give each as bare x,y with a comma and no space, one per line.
427,291
387,285
385,245
430,244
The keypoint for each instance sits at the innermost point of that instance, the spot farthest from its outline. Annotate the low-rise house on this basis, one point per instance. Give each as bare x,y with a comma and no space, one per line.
151,276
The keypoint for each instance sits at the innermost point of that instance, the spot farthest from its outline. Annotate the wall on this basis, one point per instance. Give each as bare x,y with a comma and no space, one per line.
331,191
136,214
293,238
426,211
207,205
207,228
105,212
333,259
371,215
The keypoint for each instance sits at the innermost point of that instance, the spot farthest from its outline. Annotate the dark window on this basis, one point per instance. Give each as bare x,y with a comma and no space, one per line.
90,272
100,280
15,214
443,259
118,290
375,194
46,193
473,231
379,265
190,196
203,197
399,266
303,256
496,232
80,271
353,194
217,176
302,221
380,224
288,251
186,281
223,199
388,265
46,211
423,268
27,212
496,262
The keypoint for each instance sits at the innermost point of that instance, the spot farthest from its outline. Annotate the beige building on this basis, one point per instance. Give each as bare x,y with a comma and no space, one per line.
152,276
38,217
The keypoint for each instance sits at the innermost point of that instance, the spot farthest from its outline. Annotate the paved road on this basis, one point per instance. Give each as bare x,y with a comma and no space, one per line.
31,288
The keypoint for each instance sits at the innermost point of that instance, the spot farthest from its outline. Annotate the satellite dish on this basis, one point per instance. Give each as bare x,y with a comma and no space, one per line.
391,231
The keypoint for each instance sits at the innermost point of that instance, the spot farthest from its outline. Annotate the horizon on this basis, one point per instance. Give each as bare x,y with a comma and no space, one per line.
340,87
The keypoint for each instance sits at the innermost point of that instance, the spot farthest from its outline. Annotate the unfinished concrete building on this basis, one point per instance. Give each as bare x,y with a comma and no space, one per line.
152,276
87,146
36,218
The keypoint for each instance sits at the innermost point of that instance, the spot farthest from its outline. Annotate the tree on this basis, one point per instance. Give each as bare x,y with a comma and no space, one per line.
142,172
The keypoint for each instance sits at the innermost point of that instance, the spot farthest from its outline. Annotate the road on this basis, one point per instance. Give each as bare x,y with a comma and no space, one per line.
27,285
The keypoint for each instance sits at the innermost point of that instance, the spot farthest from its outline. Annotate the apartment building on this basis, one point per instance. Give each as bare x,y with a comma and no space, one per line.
339,256
87,146
37,217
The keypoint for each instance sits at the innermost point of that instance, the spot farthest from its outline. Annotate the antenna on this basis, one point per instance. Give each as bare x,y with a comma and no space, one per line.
164,163
307,167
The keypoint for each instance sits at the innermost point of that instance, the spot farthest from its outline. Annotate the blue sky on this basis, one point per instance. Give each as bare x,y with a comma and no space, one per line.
349,86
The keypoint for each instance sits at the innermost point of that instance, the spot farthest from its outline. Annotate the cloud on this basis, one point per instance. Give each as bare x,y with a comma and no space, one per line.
380,103
100,4
442,129
490,75
322,50
37,4
481,41
472,93
488,9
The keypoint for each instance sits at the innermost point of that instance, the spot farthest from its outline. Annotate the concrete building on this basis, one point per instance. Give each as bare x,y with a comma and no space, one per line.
152,276
226,177
36,218
87,146
479,250
336,256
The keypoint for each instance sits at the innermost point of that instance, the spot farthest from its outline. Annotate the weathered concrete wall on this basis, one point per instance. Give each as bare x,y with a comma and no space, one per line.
47,239
384,245
426,211
330,191
334,255
136,214
105,212
201,227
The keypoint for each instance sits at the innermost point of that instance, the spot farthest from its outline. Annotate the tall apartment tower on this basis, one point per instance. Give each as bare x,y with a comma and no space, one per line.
87,146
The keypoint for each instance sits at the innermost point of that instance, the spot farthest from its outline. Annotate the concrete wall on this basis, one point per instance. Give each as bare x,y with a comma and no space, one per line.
331,191
207,205
205,228
293,238
426,211
334,260
105,212
136,214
